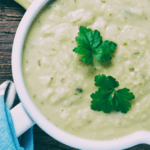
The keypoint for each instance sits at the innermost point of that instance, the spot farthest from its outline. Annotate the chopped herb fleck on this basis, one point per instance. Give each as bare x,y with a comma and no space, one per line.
79,90
75,93
131,69
42,103
34,96
39,62
62,80
136,53
103,1
89,121
125,44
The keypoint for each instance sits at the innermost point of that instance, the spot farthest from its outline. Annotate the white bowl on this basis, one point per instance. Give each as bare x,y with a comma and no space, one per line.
38,118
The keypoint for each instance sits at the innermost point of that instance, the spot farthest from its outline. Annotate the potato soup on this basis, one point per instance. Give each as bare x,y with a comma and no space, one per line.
60,84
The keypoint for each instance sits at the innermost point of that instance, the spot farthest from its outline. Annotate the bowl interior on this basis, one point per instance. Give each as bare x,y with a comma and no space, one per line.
42,122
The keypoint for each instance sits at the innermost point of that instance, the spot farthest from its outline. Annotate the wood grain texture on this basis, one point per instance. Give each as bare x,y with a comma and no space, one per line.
10,16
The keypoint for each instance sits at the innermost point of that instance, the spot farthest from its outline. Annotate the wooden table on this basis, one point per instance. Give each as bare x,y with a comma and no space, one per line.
10,16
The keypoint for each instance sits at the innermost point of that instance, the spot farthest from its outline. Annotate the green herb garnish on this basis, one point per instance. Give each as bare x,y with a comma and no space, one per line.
90,44
107,98
131,69
79,90
39,62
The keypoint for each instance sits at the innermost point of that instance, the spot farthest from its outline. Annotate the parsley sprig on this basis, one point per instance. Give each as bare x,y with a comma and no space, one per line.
90,44
107,98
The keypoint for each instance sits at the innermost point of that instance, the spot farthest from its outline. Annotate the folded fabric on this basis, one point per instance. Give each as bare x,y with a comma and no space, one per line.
8,138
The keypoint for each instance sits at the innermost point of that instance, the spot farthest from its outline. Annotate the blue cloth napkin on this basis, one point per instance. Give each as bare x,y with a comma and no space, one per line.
8,138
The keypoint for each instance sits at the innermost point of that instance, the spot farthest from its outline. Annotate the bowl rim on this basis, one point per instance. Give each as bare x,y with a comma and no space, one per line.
63,137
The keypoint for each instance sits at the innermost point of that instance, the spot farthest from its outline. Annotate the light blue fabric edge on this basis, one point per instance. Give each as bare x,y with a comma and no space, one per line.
8,138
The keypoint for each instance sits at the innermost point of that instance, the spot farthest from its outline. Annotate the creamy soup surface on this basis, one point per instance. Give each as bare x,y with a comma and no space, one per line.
53,72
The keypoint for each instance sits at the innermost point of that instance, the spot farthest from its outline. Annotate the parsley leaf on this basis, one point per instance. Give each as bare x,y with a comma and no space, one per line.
90,43
104,50
87,41
106,83
107,99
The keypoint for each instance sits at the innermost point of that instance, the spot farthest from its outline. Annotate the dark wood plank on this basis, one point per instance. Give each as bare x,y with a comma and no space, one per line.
10,16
